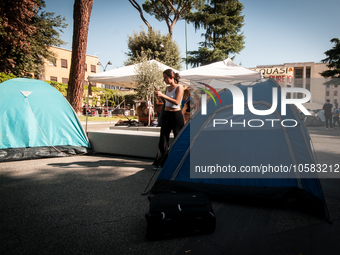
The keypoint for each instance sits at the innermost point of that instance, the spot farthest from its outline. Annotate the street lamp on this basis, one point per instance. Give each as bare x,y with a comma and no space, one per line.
104,68
186,46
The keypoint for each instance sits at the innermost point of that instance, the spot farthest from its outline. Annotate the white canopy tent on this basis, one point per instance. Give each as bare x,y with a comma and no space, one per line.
226,71
122,77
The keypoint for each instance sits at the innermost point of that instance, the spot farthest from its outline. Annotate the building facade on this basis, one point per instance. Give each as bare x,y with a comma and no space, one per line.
58,69
303,75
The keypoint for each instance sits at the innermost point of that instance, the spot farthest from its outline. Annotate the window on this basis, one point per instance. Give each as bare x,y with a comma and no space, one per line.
298,82
308,72
52,62
327,93
64,63
64,80
85,67
335,93
53,78
298,73
308,78
93,69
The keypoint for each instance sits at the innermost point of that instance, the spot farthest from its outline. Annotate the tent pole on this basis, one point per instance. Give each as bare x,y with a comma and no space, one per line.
153,100
148,102
87,106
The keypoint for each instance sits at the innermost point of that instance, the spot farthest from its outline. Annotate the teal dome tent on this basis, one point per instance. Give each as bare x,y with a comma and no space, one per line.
37,121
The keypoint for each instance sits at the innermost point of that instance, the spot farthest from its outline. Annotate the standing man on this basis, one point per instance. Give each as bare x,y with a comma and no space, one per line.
327,107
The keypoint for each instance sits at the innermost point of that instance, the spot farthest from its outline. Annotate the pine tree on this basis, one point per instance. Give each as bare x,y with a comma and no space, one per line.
333,60
170,11
222,21
139,9
81,18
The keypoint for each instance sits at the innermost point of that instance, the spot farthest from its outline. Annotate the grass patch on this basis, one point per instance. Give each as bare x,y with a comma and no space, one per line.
113,118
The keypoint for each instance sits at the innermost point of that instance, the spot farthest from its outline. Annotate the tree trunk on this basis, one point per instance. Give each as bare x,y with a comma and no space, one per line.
139,9
81,19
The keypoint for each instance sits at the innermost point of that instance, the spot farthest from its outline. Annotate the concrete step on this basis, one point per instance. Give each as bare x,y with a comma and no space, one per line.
141,128
127,142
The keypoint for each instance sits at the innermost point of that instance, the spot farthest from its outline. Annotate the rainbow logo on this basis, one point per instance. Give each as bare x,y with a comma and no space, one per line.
213,90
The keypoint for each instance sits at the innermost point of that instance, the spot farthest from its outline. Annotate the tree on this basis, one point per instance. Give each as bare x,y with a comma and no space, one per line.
81,20
333,60
61,87
170,11
130,97
139,9
222,21
153,45
5,77
26,33
148,75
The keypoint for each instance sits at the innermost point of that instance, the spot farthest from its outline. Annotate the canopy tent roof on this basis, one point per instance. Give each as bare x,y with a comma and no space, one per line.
225,70
123,76
313,106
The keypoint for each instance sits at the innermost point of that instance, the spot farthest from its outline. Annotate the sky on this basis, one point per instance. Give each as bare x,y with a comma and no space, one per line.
276,32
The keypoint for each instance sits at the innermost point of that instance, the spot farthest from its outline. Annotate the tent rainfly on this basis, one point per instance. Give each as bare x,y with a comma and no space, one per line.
201,154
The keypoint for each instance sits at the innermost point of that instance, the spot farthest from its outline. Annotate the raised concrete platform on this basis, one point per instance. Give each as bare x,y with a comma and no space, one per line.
146,129
127,141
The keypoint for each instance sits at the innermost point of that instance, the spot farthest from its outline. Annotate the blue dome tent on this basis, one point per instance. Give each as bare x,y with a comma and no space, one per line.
200,155
36,121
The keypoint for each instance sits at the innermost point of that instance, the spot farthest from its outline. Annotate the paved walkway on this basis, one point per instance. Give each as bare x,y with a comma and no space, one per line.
93,205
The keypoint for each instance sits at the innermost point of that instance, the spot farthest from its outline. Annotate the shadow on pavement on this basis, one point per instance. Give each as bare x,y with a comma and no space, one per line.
93,205
88,205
